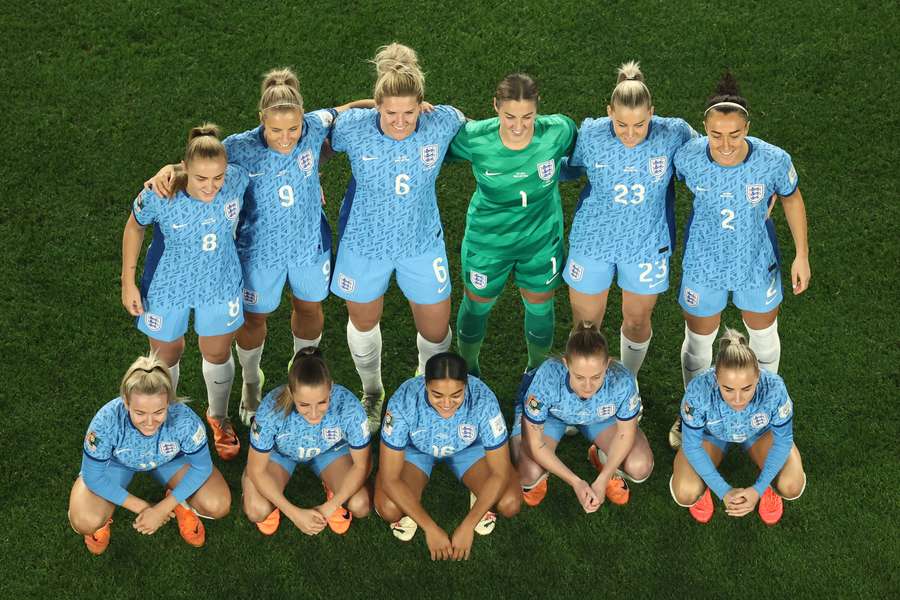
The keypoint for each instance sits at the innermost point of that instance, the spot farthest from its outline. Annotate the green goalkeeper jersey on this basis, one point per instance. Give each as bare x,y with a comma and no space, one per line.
516,209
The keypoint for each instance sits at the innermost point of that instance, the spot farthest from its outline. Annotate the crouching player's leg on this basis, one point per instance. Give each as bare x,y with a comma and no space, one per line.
212,500
688,489
490,477
788,484
619,452
344,481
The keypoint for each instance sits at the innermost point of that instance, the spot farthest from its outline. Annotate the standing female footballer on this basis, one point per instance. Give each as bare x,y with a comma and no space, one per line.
282,235
737,403
444,415
389,218
146,429
312,421
192,264
624,224
730,244
514,223
597,395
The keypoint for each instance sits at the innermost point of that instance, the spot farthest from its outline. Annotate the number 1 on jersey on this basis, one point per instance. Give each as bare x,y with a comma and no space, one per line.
524,198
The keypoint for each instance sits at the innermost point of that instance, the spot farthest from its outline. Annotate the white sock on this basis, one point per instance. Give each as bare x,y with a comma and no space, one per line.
428,349
365,348
632,353
218,386
174,372
301,343
766,344
696,353
249,360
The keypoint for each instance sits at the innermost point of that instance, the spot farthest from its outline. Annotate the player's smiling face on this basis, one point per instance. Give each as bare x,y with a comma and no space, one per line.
727,133
399,115
312,402
147,411
205,177
446,395
586,373
516,121
630,124
282,129
737,386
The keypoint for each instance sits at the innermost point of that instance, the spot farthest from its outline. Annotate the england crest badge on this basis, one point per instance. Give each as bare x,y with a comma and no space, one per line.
429,155
305,162
546,170
231,210
755,193
658,166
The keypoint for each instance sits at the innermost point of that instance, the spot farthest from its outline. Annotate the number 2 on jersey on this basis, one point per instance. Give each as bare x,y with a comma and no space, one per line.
729,217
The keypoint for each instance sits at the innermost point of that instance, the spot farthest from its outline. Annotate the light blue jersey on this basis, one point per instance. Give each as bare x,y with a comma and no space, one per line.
113,444
729,242
412,422
294,438
282,221
550,395
706,415
627,210
390,208
192,260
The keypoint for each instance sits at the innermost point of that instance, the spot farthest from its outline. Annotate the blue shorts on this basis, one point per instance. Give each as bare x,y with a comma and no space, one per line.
318,463
459,462
122,475
169,324
589,276
309,282
725,446
701,301
555,428
424,279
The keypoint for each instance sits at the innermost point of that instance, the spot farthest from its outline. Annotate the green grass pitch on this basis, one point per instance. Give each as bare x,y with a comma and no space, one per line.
97,95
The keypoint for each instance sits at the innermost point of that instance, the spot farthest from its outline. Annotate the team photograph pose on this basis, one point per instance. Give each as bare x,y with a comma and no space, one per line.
597,395
146,429
316,422
283,236
192,265
514,224
445,415
730,244
737,403
389,219
624,225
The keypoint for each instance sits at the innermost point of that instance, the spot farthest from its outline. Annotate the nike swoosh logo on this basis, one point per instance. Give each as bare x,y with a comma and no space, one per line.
653,285
443,288
220,382
179,226
370,158
714,422
417,432
491,173
119,451
770,300
232,322
256,174
600,165
702,189
551,279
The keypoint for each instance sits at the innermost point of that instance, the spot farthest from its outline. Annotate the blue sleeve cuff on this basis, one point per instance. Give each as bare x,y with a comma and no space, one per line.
495,446
366,445
535,421
393,447
262,450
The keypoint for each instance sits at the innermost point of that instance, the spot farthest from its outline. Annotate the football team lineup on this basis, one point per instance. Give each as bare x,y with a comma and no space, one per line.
239,218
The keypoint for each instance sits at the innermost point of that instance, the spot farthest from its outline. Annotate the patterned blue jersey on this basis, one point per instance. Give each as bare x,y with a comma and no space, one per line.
112,436
729,243
704,408
390,209
412,420
281,221
705,412
192,260
551,394
295,438
627,211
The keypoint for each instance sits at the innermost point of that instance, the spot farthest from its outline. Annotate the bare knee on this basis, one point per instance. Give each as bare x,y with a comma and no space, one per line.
687,493
359,505
639,468
386,508
215,506
257,510
510,505
86,523
791,488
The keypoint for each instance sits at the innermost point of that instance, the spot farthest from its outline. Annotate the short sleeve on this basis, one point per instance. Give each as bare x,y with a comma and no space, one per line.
354,421
145,207
693,413
266,423
395,427
570,134
98,442
339,129
536,401
491,425
786,176
678,161
577,159
630,404
191,432
686,132
324,117
459,147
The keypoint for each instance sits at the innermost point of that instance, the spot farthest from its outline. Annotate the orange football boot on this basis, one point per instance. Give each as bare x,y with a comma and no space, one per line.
702,509
226,440
98,541
340,519
536,493
771,507
616,489
269,525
